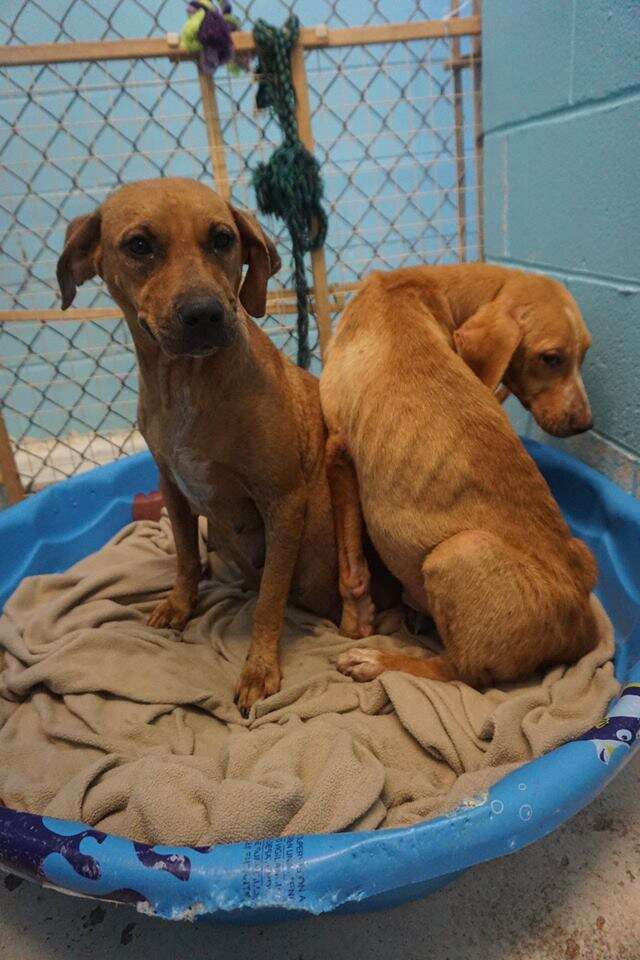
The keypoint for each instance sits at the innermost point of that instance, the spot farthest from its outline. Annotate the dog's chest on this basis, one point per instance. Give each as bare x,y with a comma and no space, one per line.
187,445
191,476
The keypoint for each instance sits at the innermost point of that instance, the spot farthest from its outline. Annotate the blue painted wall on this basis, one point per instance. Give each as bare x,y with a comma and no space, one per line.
562,187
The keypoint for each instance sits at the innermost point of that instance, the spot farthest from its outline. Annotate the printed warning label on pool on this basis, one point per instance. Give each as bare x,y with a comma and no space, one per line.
274,871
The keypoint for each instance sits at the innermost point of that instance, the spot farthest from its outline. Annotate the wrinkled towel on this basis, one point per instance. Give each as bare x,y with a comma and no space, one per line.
134,730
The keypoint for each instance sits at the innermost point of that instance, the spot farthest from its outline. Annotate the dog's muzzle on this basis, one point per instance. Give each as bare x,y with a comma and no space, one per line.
202,325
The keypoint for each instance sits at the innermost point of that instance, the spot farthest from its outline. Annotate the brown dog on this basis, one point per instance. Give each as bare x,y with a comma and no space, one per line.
454,505
524,330
235,428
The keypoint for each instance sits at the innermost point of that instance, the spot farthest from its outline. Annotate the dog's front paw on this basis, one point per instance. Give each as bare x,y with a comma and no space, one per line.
361,664
259,679
172,612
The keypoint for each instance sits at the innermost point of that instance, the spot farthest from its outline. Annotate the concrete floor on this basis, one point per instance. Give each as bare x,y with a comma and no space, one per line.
574,895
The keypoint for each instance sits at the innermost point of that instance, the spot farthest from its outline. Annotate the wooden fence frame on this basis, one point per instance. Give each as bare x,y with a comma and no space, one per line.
328,299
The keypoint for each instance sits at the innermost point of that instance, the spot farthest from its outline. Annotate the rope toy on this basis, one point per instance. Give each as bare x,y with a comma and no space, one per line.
208,31
289,184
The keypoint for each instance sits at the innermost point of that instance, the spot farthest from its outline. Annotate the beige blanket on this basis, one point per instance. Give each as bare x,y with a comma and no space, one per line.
134,730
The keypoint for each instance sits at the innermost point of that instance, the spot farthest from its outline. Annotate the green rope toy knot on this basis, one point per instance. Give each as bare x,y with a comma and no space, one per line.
289,185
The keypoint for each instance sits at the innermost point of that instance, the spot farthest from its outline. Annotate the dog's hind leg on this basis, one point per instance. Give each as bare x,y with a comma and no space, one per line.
481,603
354,576
500,613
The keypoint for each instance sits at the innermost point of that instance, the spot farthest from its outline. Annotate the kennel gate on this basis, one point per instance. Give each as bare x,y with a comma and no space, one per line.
391,108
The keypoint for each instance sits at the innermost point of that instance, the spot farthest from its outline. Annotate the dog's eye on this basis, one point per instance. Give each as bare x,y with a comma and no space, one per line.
551,358
221,239
139,246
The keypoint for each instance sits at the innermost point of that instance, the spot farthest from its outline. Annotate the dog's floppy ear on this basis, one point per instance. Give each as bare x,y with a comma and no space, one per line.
488,340
261,256
80,258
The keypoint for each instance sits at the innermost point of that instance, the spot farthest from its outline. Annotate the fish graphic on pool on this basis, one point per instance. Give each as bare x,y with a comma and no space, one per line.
621,728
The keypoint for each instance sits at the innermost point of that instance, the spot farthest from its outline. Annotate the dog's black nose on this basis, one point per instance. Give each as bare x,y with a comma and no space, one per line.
202,311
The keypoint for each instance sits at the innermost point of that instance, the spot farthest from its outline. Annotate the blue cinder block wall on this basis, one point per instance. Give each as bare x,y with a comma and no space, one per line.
561,97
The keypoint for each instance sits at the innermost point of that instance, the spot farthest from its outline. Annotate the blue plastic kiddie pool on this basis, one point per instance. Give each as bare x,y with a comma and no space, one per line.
274,879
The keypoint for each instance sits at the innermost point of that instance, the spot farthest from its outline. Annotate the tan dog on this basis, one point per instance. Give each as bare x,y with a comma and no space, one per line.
235,428
454,505
524,330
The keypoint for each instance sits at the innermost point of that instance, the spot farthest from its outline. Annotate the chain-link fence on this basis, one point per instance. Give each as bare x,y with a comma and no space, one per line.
394,129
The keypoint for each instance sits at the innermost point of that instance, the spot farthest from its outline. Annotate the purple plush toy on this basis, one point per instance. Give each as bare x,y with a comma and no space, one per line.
208,32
